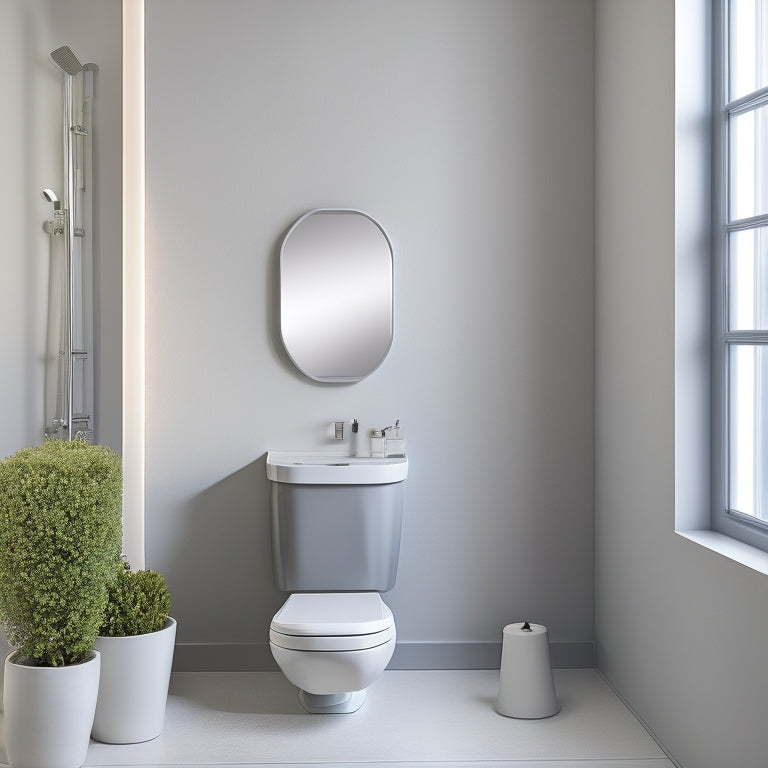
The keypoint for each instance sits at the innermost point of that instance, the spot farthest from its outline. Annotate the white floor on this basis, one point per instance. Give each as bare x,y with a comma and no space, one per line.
411,719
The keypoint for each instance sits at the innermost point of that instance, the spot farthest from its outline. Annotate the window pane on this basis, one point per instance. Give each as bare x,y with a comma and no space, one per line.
748,33
748,161
748,280
748,422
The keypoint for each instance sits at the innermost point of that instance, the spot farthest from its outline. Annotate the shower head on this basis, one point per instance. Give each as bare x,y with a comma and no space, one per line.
50,196
65,60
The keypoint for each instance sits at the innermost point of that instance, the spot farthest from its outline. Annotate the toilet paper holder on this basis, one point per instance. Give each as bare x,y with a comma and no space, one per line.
526,684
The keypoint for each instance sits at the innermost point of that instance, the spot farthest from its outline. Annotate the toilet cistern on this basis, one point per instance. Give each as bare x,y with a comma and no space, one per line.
336,524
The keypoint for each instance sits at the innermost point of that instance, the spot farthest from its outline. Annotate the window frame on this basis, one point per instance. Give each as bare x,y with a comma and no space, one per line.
724,520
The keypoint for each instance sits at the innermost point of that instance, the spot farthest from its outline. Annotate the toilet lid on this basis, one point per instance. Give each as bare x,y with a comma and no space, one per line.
331,614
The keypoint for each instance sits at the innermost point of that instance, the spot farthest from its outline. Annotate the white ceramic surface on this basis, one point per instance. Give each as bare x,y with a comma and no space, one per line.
321,672
333,613
326,469
49,712
135,672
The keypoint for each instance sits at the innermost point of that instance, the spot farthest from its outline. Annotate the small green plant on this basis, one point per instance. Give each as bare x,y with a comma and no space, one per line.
138,603
60,536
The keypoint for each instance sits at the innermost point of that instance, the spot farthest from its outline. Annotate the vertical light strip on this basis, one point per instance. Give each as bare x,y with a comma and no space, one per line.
133,283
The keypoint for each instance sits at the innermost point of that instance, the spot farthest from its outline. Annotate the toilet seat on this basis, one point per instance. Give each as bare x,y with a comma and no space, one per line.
336,621
332,643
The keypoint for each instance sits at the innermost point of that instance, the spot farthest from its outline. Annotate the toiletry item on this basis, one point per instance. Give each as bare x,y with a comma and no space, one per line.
378,444
354,442
395,446
394,438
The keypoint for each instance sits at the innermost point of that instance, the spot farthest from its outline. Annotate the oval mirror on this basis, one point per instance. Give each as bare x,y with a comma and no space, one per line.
336,290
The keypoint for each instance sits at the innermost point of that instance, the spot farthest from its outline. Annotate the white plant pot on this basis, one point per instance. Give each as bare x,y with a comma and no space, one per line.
5,649
49,713
133,690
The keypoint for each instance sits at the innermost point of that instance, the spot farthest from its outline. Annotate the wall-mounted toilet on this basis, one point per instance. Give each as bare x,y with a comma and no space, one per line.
336,525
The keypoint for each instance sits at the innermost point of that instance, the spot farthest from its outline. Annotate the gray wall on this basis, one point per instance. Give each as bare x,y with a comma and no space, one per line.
466,129
679,628
31,159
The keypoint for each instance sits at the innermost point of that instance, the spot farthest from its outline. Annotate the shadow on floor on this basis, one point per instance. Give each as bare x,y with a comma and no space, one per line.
263,694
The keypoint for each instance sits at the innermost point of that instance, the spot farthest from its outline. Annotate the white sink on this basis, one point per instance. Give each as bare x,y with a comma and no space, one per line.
309,468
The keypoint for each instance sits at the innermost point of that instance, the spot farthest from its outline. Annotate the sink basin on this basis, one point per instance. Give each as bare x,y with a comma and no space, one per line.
309,468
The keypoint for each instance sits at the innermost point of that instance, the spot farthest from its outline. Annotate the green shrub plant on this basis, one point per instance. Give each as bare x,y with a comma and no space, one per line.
60,537
138,603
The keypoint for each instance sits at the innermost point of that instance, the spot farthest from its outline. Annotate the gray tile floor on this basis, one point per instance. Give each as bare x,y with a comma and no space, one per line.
411,719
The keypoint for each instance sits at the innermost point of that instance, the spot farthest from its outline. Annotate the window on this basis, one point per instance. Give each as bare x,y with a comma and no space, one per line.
740,353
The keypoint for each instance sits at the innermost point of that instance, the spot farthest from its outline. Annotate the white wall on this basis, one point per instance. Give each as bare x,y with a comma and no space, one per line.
31,159
466,129
679,629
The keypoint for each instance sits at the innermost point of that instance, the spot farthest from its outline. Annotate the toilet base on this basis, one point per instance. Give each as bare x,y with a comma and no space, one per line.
331,703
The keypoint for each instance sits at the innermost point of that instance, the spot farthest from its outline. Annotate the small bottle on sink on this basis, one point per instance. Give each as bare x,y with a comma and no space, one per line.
378,444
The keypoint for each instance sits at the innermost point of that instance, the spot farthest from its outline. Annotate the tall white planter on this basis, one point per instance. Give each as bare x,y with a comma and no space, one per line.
133,690
49,713
5,649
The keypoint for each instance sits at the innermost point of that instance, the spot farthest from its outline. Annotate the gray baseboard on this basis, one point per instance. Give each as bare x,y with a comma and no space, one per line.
482,655
256,657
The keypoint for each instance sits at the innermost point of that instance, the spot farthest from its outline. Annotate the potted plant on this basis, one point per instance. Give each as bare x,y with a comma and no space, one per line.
136,642
60,533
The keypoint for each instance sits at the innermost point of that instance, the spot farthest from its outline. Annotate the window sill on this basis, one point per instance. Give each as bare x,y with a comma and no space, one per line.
733,549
